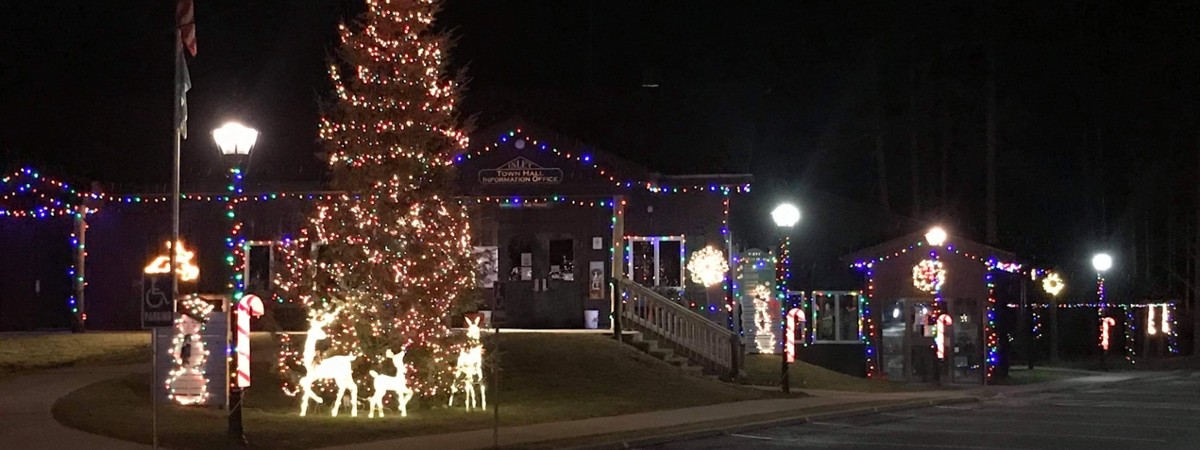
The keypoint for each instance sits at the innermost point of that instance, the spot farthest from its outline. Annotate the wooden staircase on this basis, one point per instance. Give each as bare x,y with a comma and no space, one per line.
650,347
670,332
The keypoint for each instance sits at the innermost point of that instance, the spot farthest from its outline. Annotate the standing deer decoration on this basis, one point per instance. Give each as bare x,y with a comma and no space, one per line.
386,383
337,368
469,370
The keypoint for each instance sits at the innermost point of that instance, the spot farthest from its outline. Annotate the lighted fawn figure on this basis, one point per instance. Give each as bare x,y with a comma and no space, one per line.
469,370
336,368
386,383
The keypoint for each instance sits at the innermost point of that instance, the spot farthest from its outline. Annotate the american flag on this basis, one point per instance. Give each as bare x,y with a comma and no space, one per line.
185,19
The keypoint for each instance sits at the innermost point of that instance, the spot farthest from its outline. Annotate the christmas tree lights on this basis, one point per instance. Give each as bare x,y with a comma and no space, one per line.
392,256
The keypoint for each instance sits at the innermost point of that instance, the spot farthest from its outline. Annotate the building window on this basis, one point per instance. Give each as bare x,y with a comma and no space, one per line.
835,317
655,261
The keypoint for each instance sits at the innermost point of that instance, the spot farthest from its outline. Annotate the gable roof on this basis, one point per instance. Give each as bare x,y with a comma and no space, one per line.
958,245
616,169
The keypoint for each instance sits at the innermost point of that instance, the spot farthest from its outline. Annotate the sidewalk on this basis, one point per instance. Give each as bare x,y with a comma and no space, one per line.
26,400
597,431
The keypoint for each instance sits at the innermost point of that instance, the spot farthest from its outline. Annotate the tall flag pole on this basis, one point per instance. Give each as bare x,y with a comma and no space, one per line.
185,37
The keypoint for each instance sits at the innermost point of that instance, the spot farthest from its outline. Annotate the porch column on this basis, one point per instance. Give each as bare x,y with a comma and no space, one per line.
618,267
79,244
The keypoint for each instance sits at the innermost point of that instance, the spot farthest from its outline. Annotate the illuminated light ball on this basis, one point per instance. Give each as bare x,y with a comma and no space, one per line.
708,266
1102,262
929,275
785,215
1053,284
935,236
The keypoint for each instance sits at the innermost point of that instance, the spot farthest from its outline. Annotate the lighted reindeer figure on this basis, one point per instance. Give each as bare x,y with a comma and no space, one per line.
469,370
386,383
337,368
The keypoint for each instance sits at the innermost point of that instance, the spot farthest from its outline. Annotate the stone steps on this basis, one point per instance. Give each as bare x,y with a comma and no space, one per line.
651,347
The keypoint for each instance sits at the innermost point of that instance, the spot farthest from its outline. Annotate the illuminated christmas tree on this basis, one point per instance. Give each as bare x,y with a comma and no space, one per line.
390,260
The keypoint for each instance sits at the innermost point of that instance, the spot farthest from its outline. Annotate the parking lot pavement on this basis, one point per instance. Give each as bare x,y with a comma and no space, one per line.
1159,412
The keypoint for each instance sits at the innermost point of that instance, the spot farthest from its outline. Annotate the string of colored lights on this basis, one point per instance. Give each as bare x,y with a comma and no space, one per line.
587,160
1130,327
870,335
1168,328
992,358
727,282
1095,305
783,273
235,257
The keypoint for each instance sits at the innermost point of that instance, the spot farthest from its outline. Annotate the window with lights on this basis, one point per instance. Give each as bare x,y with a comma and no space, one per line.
835,317
655,261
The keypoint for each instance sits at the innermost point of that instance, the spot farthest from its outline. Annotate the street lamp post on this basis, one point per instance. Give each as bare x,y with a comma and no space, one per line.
785,216
1101,262
235,141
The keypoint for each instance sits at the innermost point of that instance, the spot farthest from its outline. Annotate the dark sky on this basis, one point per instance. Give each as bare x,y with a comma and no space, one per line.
1097,101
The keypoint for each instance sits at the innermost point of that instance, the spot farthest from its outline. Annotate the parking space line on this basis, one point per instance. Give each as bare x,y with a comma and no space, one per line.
1058,422
750,436
1013,433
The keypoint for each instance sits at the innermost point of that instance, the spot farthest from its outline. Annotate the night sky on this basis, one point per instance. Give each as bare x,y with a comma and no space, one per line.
1097,100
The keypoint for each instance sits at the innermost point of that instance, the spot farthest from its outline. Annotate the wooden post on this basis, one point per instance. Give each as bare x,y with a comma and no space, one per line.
618,261
1053,330
77,278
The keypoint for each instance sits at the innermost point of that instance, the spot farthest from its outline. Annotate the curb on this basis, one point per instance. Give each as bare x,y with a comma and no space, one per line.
660,436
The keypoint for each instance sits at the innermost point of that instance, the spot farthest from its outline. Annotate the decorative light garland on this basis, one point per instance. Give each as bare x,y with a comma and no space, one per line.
522,141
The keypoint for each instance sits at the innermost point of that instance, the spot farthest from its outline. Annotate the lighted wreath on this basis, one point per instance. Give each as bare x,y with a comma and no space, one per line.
1053,284
708,266
929,275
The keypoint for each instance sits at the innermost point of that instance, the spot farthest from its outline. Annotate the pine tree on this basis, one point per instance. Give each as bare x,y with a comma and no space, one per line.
391,257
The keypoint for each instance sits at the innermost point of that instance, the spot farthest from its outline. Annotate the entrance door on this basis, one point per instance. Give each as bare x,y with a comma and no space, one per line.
907,341
967,350
562,291
545,286
522,283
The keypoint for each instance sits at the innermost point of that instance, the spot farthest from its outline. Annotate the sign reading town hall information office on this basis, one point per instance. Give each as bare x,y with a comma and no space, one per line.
520,171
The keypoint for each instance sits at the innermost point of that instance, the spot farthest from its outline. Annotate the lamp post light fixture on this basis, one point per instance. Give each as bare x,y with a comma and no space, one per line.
1101,262
936,236
235,141
786,215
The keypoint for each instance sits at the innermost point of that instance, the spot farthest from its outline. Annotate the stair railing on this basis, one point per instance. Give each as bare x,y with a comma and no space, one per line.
687,333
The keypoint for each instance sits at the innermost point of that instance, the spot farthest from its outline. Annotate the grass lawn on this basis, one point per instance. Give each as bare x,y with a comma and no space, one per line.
545,377
1021,375
24,353
763,370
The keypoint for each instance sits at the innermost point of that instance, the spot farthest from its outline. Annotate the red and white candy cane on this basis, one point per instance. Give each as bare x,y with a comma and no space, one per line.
939,334
794,315
250,305
1105,324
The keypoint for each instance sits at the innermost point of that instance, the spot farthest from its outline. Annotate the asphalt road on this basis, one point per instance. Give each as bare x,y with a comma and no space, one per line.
1159,413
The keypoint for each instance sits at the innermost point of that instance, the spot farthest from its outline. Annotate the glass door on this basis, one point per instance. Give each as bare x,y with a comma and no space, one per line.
892,339
967,347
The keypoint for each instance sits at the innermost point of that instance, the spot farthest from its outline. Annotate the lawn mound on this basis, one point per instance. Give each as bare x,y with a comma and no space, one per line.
36,351
764,370
544,377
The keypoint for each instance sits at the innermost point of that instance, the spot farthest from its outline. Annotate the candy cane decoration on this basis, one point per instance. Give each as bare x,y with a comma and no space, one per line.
939,334
794,315
250,305
1105,324
1166,319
